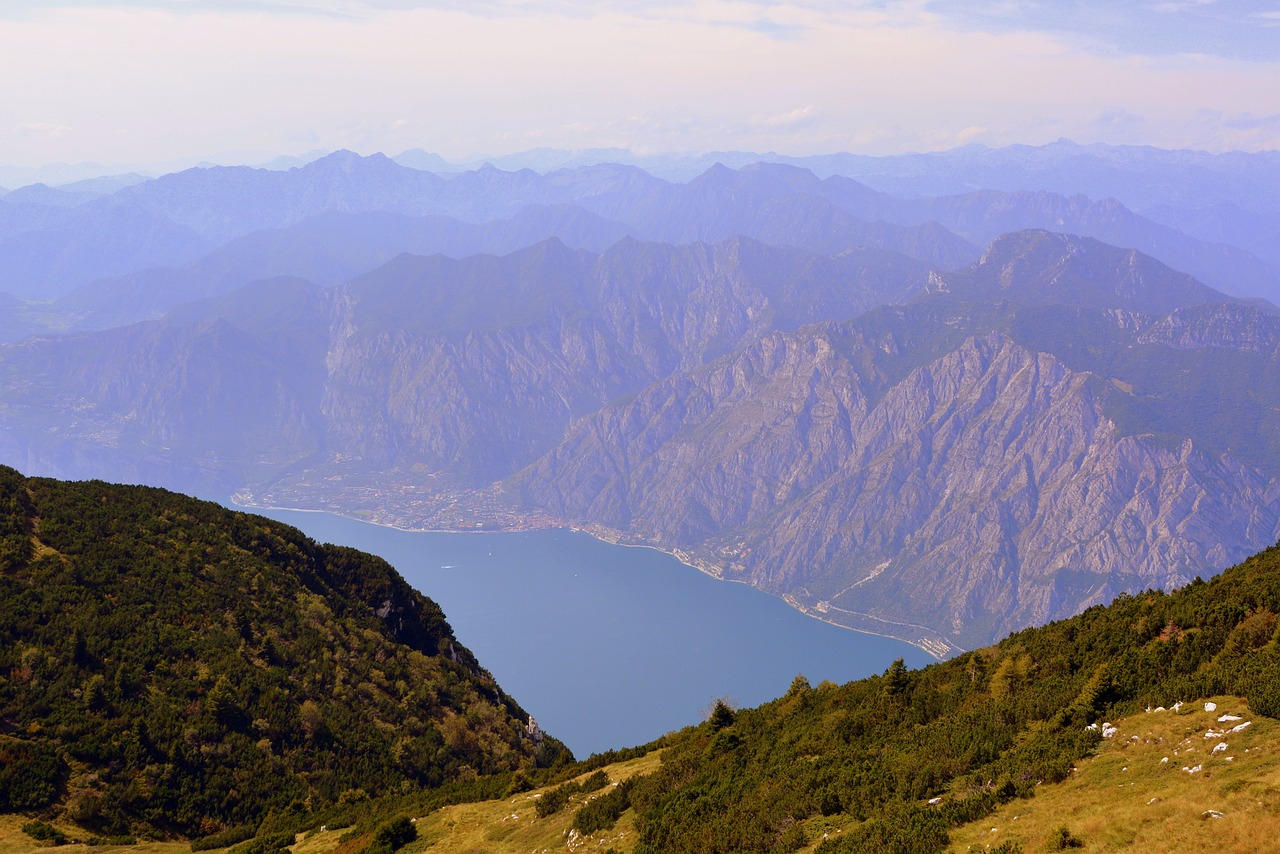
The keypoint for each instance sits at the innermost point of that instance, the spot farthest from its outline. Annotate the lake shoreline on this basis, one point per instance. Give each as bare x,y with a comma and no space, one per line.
604,646
940,650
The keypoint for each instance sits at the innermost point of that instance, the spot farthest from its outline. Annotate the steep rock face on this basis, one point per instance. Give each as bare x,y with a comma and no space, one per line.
711,451
1229,326
986,488
990,488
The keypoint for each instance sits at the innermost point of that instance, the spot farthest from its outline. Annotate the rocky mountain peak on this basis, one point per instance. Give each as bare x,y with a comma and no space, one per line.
1039,267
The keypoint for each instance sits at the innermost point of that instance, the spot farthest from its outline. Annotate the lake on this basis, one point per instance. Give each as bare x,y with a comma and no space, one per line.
610,646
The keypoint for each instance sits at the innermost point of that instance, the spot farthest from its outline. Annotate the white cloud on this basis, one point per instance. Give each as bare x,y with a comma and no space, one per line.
795,118
45,130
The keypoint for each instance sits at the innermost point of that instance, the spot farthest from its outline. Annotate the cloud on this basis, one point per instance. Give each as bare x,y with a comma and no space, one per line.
799,117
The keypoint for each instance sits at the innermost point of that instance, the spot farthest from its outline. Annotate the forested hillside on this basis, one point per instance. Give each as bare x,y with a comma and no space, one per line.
168,666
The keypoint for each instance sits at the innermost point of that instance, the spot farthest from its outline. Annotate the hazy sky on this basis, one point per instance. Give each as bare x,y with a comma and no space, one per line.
114,81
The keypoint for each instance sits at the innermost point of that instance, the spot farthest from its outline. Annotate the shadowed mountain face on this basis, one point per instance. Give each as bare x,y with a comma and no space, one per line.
1054,424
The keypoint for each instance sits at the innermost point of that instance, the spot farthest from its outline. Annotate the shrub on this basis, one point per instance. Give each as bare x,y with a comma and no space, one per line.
223,839
393,836
553,801
44,832
602,813
1061,840
268,844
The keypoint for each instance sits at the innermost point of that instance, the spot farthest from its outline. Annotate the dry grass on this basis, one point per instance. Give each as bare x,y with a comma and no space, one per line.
512,824
1127,799
14,841
507,825
491,827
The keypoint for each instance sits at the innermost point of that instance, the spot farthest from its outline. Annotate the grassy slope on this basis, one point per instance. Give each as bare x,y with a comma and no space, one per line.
1125,798
512,825
493,827
14,841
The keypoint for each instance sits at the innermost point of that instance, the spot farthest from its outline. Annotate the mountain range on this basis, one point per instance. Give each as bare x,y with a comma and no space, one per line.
939,397
53,242
1054,424
785,376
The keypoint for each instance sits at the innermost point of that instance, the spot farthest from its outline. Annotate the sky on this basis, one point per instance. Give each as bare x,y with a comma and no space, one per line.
163,81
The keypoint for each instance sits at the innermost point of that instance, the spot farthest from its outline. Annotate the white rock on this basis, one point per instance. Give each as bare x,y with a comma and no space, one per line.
1212,733
1211,814
1211,707
1177,705
934,801
1092,726
1239,727
1162,761
1222,745
1195,770
1228,759
1160,709
1226,718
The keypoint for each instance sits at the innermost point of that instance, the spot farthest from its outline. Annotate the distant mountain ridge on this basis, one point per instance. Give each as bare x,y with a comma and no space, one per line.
55,241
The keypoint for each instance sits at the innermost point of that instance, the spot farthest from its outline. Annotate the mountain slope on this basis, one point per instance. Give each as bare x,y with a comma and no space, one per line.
991,463
174,667
982,216
987,456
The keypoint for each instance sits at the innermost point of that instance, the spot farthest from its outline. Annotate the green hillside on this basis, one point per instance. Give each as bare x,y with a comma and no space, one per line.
171,667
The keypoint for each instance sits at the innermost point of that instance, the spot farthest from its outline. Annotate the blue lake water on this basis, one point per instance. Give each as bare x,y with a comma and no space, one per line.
610,646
